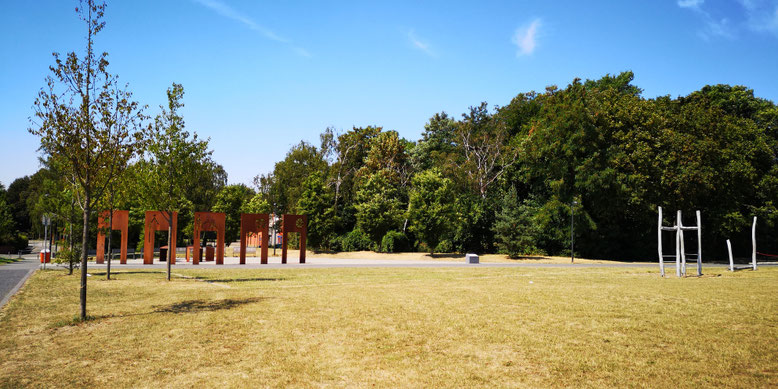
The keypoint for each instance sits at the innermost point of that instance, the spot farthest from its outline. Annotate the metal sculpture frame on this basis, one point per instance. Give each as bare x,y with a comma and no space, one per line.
680,247
254,223
119,221
294,223
209,221
754,263
155,221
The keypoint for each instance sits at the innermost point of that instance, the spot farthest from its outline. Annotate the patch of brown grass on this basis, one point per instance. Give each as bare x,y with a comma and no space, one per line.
390,327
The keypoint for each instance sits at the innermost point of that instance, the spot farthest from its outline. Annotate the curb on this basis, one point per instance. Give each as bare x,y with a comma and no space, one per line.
16,288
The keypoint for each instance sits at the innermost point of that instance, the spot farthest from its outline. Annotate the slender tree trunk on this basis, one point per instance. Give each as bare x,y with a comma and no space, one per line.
170,245
110,233
84,241
51,237
70,239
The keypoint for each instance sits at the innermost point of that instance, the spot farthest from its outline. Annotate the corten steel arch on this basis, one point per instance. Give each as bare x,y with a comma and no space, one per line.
120,222
294,223
155,221
209,221
252,223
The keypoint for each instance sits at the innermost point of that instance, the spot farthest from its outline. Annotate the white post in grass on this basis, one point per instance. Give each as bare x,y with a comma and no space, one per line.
678,243
699,244
731,262
753,243
659,244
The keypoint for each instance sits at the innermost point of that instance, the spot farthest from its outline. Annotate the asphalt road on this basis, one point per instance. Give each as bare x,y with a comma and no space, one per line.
13,275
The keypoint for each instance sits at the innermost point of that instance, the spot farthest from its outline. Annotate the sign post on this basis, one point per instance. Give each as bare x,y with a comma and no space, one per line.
46,220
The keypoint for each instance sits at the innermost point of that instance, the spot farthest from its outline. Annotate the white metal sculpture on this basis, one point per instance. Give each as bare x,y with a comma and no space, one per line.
753,250
680,249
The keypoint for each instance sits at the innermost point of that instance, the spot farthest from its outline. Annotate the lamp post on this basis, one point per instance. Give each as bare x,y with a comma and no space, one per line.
572,237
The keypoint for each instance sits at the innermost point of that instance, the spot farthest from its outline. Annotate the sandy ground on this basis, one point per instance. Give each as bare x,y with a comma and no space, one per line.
367,258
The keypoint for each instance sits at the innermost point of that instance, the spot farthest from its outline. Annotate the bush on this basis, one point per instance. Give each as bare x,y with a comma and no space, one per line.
71,258
357,240
336,244
445,246
14,243
395,241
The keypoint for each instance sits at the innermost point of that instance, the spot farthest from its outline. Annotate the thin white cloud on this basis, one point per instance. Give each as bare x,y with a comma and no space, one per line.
525,38
419,44
690,3
761,15
714,27
301,52
230,13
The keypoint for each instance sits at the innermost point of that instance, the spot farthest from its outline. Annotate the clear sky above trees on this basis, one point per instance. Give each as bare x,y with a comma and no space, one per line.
260,76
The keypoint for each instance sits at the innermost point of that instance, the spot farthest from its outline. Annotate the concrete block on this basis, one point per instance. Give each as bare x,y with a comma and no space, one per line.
471,258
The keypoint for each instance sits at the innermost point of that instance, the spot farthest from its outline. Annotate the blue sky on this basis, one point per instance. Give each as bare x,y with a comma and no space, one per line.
261,76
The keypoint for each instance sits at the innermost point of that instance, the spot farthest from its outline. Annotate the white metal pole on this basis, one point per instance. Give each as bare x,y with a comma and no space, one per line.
678,243
659,244
753,243
699,244
731,262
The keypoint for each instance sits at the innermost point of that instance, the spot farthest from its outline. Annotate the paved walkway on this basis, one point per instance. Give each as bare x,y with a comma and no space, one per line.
13,276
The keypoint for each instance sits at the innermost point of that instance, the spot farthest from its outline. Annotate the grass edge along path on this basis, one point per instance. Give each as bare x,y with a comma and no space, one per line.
449,327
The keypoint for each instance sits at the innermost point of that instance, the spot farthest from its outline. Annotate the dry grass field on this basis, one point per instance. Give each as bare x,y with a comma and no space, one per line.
395,327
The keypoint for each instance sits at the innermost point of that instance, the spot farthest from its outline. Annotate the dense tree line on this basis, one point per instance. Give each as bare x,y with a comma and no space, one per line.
504,180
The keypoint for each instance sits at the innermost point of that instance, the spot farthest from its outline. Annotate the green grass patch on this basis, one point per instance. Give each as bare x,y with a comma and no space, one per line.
396,327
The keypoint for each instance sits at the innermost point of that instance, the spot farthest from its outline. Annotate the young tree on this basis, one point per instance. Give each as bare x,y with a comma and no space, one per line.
514,228
171,162
431,207
89,122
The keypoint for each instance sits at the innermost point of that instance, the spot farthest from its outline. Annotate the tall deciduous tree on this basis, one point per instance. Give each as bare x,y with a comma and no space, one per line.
6,221
431,207
172,161
484,143
378,205
316,202
89,122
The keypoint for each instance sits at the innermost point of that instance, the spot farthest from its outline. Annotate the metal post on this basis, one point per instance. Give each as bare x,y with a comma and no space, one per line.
753,244
659,244
678,243
731,262
51,237
45,234
699,244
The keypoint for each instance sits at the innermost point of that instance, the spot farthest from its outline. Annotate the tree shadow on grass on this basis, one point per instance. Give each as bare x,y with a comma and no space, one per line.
225,280
446,255
119,273
188,306
194,306
524,257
